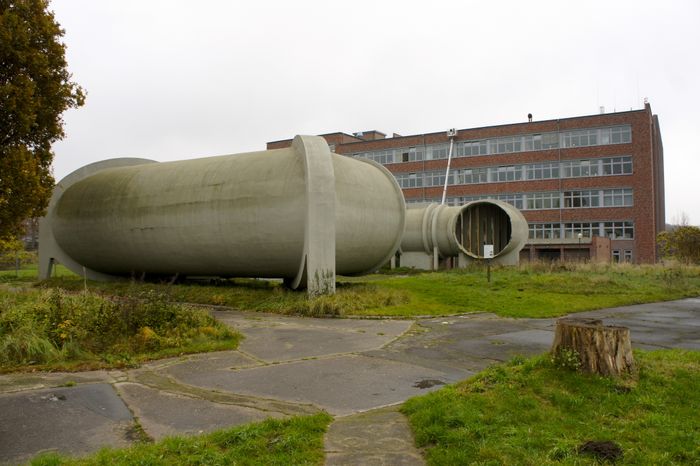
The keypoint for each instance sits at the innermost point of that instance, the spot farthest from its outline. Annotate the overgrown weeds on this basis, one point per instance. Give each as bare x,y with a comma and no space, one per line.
53,329
255,295
567,359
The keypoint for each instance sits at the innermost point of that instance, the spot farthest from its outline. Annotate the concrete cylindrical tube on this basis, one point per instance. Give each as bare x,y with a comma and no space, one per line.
454,230
293,213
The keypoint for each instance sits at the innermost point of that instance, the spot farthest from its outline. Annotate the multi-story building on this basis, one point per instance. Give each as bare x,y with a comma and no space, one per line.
579,181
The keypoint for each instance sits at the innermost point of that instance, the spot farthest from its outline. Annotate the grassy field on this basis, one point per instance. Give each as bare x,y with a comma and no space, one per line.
28,274
295,441
542,290
530,412
55,330
531,290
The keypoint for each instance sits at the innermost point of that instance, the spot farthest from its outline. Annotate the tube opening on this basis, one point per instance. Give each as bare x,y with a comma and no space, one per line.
482,223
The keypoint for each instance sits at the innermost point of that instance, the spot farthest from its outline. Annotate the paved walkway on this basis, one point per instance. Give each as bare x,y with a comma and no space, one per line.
357,370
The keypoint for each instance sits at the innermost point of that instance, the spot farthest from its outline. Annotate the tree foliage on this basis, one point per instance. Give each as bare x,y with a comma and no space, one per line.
35,90
681,243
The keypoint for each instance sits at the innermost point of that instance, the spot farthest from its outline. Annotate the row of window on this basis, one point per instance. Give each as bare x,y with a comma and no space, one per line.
612,230
505,145
586,198
622,256
534,171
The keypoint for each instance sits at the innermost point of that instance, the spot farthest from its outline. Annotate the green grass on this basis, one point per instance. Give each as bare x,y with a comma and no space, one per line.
540,291
531,290
28,274
530,412
55,330
295,441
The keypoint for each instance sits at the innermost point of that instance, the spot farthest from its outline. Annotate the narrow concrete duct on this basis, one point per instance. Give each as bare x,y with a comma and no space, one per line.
300,213
436,232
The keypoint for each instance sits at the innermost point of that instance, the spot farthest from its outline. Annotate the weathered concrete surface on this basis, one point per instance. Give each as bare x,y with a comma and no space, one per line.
461,346
340,385
164,414
274,338
672,324
39,380
321,362
379,437
290,366
75,420
300,213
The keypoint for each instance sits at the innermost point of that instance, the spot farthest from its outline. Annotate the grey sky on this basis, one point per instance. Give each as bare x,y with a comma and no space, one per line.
170,80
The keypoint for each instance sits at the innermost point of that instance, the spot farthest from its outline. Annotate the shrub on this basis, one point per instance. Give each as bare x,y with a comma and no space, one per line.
54,326
681,243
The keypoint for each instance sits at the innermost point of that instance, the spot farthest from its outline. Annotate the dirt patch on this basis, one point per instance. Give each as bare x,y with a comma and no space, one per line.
134,433
604,451
428,383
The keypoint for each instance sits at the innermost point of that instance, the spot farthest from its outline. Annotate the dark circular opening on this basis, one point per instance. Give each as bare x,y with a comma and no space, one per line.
481,224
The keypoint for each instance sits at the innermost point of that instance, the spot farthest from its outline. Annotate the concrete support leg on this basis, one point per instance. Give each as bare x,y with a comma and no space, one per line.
463,260
45,256
318,264
417,260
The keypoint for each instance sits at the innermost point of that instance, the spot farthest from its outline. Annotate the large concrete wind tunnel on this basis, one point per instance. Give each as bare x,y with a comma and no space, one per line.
301,213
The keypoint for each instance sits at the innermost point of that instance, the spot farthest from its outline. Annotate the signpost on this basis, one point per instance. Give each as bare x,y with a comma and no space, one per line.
488,255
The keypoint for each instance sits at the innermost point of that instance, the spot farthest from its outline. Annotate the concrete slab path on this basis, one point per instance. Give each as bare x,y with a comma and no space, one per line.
356,369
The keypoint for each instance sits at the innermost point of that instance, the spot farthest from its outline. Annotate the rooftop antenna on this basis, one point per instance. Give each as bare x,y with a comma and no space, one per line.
452,134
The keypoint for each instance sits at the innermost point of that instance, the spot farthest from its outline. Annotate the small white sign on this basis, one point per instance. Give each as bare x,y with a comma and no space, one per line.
488,251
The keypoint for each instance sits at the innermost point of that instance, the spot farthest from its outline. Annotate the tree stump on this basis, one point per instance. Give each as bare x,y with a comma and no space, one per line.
602,349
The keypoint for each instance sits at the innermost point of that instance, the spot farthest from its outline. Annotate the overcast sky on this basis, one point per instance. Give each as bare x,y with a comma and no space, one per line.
170,80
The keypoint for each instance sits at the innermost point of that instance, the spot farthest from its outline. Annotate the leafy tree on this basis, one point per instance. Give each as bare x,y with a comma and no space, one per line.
682,243
10,251
35,90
